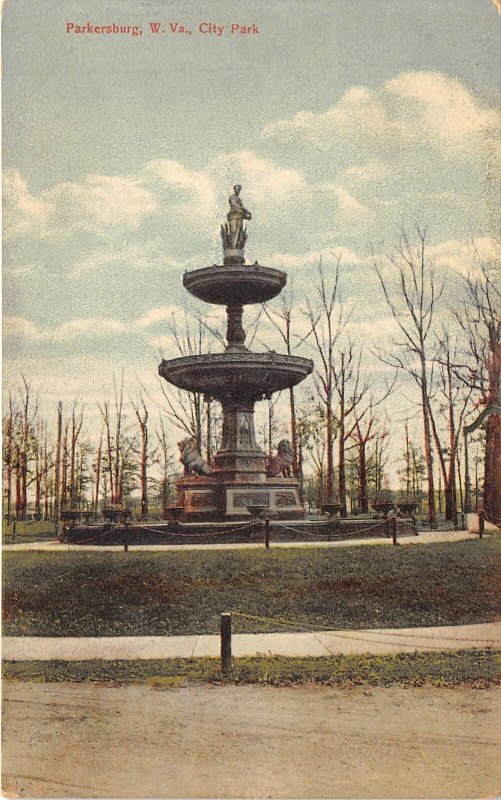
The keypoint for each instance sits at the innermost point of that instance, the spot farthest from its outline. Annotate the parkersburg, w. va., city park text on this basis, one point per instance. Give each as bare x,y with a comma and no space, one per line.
156,28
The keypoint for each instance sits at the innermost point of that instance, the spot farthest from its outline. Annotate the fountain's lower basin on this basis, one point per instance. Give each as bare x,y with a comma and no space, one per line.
236,374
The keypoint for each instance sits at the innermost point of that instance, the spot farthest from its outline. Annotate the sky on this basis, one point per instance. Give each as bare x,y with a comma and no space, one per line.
342,121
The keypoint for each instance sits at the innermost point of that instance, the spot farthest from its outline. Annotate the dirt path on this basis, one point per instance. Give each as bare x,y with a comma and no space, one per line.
70,740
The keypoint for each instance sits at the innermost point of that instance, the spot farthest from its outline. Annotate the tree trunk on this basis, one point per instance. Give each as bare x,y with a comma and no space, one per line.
144,482
294,436
64,469
98,477
432,516
45,478
165,497
492,482
57,468
362,472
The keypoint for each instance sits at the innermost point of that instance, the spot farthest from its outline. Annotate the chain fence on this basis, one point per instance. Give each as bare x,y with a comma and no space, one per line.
329,533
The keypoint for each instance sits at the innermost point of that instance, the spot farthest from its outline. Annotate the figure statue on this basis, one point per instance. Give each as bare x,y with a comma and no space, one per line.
244,433
191,458
281,464
233,233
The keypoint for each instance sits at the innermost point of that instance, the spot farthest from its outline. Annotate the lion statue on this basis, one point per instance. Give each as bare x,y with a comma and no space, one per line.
281,464
191,458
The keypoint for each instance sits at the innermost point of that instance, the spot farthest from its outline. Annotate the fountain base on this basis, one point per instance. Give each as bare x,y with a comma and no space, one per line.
213,499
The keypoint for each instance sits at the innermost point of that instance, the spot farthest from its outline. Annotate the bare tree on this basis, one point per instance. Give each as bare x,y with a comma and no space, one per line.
412,302
165,460
142,417
187,410
326,326
114,441
8,453
350,389
453,405
312,441
363,432
76,427
282,321
57,467
480,320
29,411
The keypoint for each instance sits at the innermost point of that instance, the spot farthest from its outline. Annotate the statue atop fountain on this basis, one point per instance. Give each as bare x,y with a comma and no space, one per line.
233,233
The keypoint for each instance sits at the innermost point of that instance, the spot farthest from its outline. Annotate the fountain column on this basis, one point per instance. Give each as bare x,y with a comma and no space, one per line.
235,334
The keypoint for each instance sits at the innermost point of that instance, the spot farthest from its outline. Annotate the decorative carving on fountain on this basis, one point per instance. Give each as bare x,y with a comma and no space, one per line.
244,434
285,499
233,233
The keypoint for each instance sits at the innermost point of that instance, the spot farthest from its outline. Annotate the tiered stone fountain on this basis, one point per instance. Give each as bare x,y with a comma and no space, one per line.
238,378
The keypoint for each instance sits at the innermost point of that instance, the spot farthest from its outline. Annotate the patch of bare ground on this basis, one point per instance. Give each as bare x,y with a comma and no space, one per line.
74,740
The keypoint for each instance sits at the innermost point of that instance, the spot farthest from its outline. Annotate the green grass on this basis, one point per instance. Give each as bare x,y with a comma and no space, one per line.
28,531
140,593
480,668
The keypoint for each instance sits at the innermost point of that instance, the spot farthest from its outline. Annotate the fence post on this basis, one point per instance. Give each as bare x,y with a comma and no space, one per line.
126,537
394,529
481,523
14,531
267,533
226,643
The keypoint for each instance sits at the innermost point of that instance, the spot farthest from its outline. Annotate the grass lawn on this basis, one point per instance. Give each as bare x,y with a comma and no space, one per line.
28,531
141,593
480,668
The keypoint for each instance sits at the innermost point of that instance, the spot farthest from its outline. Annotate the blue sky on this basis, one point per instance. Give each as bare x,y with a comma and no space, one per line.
340,119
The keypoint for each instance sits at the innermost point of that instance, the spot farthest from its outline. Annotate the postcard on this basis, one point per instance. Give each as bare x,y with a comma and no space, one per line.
251,398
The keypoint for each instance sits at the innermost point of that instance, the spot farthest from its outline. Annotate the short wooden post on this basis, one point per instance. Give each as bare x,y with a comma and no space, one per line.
481,523
226,643
394,529
14,531
267,533
126,537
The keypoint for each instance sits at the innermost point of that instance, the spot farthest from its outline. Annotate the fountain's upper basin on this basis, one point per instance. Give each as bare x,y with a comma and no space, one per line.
235,284
236,375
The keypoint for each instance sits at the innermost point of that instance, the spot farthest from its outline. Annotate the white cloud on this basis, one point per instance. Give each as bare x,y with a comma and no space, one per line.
342,254
373,330
90,327
466,257
441,108
193,192
359,114
23,212
99,204
156,315
19,326
107,205
369,172
348,204
263,182
409,109
147,256
85,327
